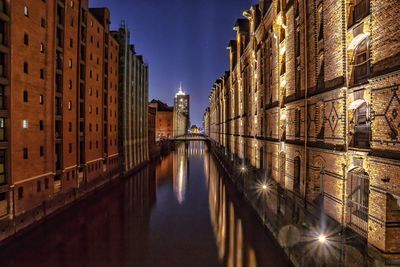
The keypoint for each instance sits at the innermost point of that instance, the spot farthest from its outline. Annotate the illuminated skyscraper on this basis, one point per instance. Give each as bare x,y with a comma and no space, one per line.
181,112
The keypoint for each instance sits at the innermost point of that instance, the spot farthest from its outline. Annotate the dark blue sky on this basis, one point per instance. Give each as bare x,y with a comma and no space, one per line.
181,40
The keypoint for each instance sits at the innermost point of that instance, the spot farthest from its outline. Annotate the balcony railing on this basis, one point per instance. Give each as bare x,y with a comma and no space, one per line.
361,136
361,73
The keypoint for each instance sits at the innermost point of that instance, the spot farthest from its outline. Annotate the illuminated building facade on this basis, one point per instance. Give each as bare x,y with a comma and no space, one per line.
133,104
181,113
311,99
62,64
164,120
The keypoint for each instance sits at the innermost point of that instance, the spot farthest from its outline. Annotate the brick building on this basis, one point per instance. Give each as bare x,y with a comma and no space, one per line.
164,120
311,99
58,88
133,104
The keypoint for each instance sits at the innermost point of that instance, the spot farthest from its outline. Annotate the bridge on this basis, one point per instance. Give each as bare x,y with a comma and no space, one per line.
190,137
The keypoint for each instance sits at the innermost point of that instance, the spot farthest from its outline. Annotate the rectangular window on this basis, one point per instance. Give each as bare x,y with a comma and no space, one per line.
42,74
41,151
25,96
70,148
2,97
46,183
41,99
25,153
26,11
2,129
20,192
25,124
43,23
39,186
2,167
26,68
41,125
26,39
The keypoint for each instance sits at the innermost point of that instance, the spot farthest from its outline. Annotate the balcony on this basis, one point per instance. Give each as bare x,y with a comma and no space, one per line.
361,136
361,73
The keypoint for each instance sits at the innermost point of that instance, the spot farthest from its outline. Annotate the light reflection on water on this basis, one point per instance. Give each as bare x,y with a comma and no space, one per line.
177,212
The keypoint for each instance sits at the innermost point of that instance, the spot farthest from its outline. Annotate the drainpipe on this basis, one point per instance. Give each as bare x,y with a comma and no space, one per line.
305,101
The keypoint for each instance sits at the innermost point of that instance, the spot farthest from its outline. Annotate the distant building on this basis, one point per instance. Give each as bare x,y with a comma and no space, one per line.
133,108
181,112
164,120
194,129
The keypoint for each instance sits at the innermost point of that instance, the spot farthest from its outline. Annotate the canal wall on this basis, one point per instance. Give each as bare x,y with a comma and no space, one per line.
298,225
14,226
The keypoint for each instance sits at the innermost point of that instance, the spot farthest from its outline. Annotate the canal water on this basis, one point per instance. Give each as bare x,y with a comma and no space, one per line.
181,211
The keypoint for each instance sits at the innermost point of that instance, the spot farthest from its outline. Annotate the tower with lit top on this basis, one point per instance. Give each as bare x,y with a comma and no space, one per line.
181,112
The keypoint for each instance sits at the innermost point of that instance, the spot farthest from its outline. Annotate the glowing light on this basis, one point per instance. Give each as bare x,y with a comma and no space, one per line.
322,238
264,187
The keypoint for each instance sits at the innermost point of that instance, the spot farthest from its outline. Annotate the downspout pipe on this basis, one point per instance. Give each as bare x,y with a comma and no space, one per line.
305,100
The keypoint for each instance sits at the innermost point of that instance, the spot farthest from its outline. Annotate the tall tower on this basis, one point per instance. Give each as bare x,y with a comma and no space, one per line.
181,112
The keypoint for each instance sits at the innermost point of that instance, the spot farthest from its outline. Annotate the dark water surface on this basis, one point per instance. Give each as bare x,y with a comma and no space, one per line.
178,212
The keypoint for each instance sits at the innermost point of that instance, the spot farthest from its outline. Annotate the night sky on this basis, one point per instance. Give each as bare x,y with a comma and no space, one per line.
181,40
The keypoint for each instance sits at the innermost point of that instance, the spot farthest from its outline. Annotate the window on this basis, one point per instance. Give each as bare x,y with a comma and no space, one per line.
43,23
362,126
26,11
90,127
72,3
41,99
90,109
70,63
41,125
70,148
320,23
69,84
2,167
25,124
362,62
297,123
296,174
26,68
42,74
20,192
26,39
25,153
90,145
69,105
41,151
71,43
46,183
70,126
39,186
41,48
97,144
2,97
2,129
25,96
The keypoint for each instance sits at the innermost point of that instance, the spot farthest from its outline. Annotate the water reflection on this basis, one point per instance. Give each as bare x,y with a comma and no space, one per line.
177,212
241,239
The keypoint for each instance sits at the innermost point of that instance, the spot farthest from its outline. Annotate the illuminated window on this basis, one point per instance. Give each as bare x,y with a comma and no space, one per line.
2,129
2,166
25,124
26,11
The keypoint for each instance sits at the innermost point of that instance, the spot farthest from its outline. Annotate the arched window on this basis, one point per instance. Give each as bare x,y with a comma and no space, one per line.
296,174
361,62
